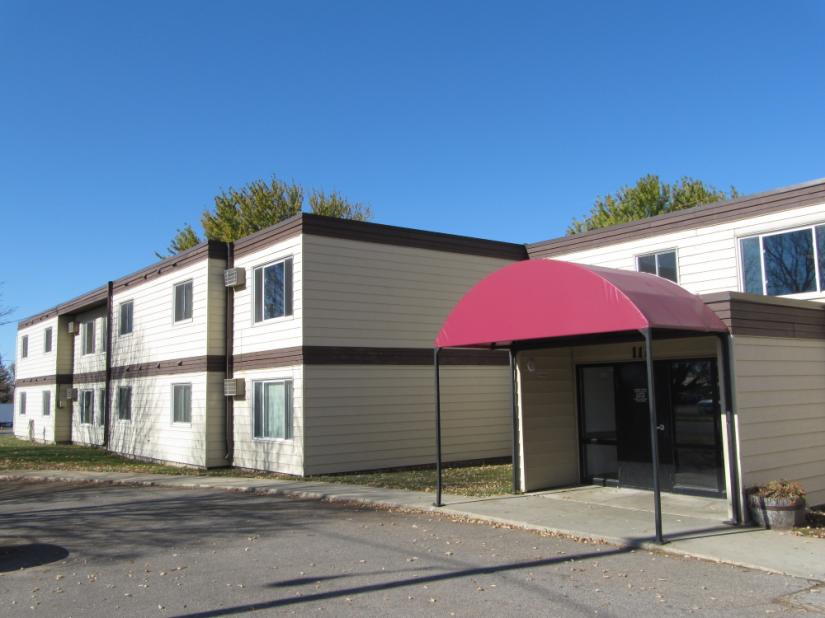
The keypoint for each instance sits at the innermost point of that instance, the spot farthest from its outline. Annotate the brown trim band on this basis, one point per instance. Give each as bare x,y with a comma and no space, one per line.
192,364
206,250
342,355
317,225
36,319
88,377
778,200
59,379
765,316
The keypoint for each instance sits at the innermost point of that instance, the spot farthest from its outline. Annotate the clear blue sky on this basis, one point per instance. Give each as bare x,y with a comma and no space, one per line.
119,121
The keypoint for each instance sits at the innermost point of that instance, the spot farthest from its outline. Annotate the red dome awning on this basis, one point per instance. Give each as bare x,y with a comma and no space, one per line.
544,299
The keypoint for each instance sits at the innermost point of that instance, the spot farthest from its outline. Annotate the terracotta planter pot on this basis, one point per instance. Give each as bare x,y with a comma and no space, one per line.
781,514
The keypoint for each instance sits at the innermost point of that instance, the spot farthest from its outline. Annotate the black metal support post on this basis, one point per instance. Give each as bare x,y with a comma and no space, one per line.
107,392
229,369
730,427
514,413
654,433
438,501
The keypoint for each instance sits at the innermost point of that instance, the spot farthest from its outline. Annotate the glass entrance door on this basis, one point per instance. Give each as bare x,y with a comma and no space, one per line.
615,425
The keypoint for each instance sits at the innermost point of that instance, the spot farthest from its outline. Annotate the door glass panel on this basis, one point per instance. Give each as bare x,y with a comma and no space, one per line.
599,423
696,425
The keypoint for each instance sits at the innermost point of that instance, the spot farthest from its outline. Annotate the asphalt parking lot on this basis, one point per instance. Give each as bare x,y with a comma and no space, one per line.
85,550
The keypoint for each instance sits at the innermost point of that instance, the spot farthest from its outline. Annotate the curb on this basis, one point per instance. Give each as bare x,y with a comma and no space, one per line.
321,496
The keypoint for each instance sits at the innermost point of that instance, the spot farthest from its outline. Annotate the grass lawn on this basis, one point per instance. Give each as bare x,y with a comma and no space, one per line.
481,480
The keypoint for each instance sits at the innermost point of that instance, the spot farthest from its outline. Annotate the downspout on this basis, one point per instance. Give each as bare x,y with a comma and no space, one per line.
438,502
229,346
730,429
107,396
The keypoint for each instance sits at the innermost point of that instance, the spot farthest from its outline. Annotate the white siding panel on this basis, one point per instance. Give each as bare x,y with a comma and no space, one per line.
155,335
780,391
286,456
34,425
38,362
276,333
376,295
151,433
87,433
96,361
708,256
360,417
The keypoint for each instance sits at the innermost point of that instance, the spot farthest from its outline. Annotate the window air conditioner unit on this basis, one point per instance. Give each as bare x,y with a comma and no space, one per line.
72,328
234,277
70,394
234,387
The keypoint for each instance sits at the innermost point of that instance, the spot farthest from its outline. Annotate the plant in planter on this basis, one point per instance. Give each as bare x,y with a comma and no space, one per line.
777,504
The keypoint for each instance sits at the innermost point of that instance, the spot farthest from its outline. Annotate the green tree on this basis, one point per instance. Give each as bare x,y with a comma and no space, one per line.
6,382
648,197
259,204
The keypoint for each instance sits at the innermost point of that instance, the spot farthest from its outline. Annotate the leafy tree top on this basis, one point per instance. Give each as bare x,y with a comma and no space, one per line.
650,196
259,204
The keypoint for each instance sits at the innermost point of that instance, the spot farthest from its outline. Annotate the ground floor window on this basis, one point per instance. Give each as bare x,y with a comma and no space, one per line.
87,407
47,403
272,413
124,403
181,403
22,403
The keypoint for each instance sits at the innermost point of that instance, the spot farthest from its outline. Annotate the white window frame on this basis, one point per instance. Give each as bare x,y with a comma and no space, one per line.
46,403
90,413
289,412
120,332
740,267
84,337
24,346
48,338
256,301
191,317
656,255
120,390
172,406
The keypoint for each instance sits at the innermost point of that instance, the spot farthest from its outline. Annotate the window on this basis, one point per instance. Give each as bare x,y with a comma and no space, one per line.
181,403
183,301
662,264
273,290
22,403
47,340
124,403
87,407
790,262
47,403
24,346
88,342
100,419
272,414
125,323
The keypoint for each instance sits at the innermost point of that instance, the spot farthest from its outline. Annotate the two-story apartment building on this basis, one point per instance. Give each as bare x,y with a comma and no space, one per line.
325,328
330,325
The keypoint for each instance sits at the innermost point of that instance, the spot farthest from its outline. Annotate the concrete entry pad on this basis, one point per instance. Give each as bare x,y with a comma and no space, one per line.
699,507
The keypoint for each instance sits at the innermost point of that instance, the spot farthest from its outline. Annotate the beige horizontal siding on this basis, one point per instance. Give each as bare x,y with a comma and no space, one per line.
780,393
362,417
368,294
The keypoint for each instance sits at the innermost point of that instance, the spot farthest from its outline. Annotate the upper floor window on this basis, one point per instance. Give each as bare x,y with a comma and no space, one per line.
24,346
273,290
183,301
791,262
662,264
47,340
125,321
88,334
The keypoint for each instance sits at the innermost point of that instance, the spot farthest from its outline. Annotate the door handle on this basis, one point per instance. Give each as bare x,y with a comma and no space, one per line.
660,427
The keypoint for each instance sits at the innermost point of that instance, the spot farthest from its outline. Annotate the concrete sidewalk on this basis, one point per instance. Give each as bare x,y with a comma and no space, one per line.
583,513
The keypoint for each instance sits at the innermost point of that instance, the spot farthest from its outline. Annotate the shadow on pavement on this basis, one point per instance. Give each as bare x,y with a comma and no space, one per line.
25,556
